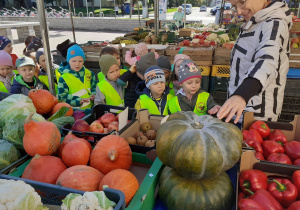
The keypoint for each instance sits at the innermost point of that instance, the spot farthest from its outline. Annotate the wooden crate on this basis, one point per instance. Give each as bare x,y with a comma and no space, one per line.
221,56
92,52
295,58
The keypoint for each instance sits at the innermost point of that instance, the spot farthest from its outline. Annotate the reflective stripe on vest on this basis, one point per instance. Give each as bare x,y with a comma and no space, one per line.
200,108
3,88
44,79
77,88
101,75
111,95
147,103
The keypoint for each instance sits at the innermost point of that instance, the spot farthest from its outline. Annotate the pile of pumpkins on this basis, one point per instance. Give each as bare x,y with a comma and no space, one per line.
197,150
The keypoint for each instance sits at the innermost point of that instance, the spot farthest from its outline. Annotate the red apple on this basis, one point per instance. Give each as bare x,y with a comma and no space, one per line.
113,126
81,125
295,40
107,118
96,127
117,117
105,130
89,138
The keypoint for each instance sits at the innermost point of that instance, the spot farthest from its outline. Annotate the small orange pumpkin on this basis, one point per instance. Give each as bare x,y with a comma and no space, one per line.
122,180
59,105
76,152
112,152
42,100
55,100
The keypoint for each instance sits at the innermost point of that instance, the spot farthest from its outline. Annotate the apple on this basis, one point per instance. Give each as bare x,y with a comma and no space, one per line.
295,40
96,127
81,125
89,138
105,130
113,126
107,118
294,45
181,44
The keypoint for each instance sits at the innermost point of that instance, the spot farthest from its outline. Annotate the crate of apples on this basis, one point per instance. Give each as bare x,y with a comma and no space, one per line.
145,137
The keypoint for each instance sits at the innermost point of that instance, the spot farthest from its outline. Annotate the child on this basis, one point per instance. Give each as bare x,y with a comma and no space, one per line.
35,44
27,41
77,85
141,49
32,54
190,97
155,95
135,75
108,91
26,80
6,45
164,63
6,72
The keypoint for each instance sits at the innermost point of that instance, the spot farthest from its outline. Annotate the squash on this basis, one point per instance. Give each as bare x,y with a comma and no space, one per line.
80,177
59,105
179,193
112,152
122,180
76,152
198,146
44,169
42,100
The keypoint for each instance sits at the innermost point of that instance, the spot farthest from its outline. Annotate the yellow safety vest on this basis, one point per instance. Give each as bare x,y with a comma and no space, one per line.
200,108
147,103
3,88
44,79
101,75
16,71
77,88
171,88
111,95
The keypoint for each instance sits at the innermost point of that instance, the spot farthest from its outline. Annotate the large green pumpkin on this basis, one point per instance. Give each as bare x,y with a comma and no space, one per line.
198,146
181,193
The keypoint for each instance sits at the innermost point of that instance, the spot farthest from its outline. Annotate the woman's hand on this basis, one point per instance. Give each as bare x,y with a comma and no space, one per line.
235,105
214,110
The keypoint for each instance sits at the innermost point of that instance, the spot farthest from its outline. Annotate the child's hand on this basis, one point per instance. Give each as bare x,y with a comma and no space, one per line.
92,98
152,50
84,100
214,110
133,68
131,49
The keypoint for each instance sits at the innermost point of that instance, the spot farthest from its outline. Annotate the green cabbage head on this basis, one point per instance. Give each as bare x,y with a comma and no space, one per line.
8,154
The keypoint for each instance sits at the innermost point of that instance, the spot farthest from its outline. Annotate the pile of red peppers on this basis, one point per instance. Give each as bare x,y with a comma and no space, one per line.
259,193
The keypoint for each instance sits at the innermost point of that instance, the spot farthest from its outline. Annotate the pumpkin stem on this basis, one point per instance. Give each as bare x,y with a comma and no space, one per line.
197,125
104,186
112,155
70,132
28,118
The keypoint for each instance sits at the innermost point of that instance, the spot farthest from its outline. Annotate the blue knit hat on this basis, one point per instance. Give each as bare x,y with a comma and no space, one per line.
74,51
3,42
154,74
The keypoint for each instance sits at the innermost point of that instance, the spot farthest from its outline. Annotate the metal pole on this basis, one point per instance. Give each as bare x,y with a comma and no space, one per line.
115,8
184,22
139,13
100,8
44,32
87,9
71,16
156,19
130,6
73,8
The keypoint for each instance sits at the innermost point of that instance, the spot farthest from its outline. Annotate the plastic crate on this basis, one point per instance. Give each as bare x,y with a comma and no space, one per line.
219,96
292,88
286,117
220,71
205,70
205,83
54,194
291,104
293,73
218,83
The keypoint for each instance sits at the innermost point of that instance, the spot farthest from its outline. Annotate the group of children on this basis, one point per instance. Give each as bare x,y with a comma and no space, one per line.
151,82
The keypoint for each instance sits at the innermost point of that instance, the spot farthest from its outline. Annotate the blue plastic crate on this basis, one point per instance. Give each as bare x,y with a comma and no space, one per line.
293,73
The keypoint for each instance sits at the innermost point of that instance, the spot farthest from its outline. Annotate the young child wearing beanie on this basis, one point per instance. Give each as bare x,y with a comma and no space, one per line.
190,97
6,71
108,91
26,80
77,85
156,95
165,63
141,49
6,45
62,48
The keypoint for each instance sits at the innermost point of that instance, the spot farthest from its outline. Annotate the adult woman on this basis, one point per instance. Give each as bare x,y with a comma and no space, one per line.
259,60
178,17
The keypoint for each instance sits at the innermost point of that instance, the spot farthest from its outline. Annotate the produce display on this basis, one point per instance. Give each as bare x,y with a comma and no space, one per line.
145,137
8,154
295,41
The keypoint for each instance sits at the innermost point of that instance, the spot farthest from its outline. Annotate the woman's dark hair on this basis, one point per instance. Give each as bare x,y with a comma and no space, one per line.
109,51
27,41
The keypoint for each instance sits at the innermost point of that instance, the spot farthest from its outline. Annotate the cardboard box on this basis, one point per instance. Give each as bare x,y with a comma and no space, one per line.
296,25
294,58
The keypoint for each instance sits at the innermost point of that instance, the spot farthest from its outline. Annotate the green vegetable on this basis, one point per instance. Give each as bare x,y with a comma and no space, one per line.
59,118
60,113
68,199
8,154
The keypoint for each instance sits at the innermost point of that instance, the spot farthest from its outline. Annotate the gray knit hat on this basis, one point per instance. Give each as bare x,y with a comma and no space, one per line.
38,54
106,61
188,70
145,62
164,63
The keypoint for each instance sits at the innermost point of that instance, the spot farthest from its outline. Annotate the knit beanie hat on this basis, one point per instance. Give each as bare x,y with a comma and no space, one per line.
164,63
106,61
141,49
38,54
35,44
64,46
74,51
179,57
145,62
154,74
3,42
5,59
188,70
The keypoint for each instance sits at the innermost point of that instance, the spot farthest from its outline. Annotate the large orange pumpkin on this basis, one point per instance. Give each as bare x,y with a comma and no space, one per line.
122,180
112,152
76,152
59,105
41,138
80,177
55,100
42,100
44,169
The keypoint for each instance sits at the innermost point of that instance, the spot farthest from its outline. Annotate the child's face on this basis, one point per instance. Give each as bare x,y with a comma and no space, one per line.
5,70
8,48
191,86
27,72
42,62
167,73
176,67
117,56
76,63
113,73
157,88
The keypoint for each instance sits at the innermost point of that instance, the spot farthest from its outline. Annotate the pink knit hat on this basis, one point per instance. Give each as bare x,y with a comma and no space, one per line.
5,59
180,57
141,49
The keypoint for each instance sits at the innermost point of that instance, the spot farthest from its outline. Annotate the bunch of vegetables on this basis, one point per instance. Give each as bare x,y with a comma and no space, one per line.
271,146
259,192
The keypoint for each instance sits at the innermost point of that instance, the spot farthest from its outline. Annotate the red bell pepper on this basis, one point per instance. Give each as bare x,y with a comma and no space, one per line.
259,155
296,181
279,158
292,149
254,144
242,196
247,204
253,180
278,136
296,162
284,191
270,147
265,199
253,134
262,128
294,206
